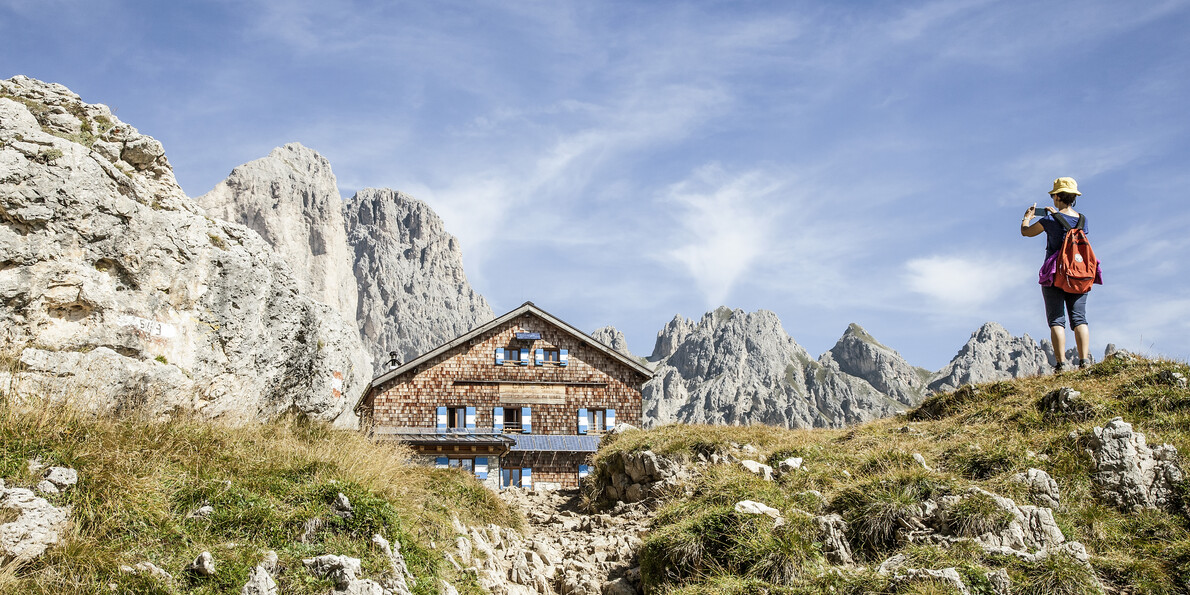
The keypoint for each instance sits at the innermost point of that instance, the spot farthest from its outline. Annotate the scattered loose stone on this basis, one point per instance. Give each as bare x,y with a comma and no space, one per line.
203,565
202,512
342,507
921,461
789,465
759,469
62,477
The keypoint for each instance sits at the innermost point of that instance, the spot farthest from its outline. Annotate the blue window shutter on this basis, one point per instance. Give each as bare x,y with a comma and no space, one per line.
498,419
499,356
481,467
469,421
583,471
505,478
582,421
563,357
442,419
527,420
610,418
441,463
524,357
539,357
526,478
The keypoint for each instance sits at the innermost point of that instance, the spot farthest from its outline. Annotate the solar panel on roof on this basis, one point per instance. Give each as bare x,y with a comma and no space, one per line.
556,443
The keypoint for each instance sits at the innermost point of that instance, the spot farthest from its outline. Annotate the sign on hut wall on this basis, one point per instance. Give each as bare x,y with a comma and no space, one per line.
540,394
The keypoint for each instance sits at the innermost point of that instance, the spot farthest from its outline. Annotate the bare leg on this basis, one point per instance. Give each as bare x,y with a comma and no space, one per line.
1058,338
1082,339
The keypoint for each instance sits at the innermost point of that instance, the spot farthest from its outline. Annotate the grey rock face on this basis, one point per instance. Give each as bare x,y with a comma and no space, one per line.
1132,475
733,367
413,292
613,338
292,200
860,355
119,293
992,354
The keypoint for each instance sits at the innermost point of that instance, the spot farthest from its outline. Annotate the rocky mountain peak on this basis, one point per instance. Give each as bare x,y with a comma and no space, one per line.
859,354
613,338
669,337
291,198
413,292
991,354
736,367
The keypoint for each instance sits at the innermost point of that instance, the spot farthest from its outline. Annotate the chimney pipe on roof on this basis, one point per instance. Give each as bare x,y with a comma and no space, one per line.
393,361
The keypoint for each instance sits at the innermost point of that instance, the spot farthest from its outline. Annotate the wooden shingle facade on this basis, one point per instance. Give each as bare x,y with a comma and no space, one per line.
519,401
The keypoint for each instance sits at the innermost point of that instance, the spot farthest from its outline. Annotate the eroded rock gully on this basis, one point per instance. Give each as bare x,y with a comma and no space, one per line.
562,549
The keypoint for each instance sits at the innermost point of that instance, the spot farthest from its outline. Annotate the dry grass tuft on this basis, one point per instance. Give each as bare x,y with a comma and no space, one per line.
140,479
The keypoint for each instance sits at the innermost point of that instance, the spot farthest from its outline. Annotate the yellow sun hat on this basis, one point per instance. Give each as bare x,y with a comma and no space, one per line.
1066,185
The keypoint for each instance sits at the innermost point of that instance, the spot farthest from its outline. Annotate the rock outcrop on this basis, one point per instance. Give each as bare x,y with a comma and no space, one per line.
992,354
292,200
117,293
413,292
733,367
32,524
1131,475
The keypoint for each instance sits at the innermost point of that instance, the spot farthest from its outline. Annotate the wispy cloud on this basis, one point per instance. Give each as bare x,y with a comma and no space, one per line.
725,226
963,282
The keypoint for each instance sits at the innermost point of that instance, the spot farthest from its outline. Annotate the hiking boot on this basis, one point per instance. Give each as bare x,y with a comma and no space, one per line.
1083,364
1061,367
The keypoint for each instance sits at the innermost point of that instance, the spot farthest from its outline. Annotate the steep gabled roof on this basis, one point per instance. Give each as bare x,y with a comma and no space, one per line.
525,308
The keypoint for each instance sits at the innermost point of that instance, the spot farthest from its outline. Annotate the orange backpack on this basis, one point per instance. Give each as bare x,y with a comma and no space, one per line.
1077,264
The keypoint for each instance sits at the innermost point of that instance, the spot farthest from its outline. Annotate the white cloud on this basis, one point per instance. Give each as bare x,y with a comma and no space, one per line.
963,282
726,225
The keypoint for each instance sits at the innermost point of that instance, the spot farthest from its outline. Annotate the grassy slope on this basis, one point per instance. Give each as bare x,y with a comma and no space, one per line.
140,478
979,436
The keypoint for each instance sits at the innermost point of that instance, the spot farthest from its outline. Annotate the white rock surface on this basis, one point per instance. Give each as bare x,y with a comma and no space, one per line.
754,507
119,294
413,292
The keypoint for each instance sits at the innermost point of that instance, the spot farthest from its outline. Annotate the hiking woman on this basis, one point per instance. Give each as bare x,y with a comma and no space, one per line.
1057,301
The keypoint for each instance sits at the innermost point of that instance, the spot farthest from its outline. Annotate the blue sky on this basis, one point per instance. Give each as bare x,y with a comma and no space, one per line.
622,162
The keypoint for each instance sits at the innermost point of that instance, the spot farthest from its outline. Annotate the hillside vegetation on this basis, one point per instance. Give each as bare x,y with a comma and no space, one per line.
978,436
140,480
